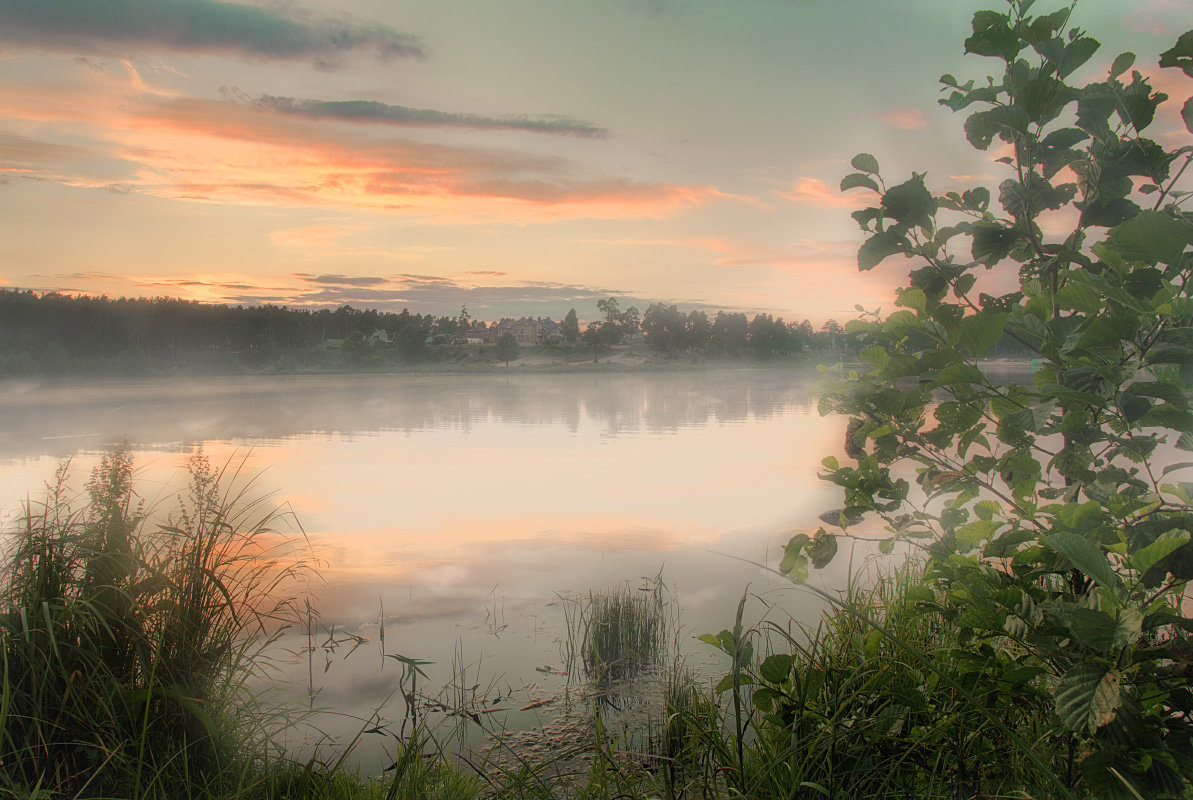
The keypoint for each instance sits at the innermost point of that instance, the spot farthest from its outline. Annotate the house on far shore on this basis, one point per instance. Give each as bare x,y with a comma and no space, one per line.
480,336
380,336
527,330
550,331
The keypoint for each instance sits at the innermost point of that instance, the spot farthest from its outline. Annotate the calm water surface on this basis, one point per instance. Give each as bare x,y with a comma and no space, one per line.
465,506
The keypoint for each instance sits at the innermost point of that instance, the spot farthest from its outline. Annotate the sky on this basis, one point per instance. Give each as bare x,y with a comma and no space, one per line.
517,157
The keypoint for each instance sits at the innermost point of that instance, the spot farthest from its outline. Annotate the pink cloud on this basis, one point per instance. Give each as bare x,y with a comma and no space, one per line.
1159,17
905,119
815,192
229,152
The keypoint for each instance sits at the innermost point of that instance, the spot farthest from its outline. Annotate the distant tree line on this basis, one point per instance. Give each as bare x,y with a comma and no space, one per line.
52,333
58,332
668,330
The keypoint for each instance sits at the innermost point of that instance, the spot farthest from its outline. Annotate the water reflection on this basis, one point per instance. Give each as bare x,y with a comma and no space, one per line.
58,418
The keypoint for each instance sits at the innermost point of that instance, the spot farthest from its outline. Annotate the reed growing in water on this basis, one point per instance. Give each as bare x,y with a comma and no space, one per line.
620,633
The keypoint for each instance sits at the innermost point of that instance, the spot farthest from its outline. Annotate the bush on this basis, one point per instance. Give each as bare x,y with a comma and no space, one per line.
1059,533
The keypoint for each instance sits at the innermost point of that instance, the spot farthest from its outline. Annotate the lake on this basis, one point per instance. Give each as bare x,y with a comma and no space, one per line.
457,510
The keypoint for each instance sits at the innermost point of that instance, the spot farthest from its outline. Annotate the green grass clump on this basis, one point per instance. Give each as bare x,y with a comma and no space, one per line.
126,645
891,695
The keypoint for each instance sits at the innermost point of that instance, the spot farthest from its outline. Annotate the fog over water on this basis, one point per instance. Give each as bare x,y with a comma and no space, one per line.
466,504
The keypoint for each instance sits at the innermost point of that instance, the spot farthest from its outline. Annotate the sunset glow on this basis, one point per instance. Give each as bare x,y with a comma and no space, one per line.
525,160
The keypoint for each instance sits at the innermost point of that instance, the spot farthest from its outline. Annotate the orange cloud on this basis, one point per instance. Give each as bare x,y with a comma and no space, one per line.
905,119
1169,128
710,243
311,236
815,192
231,152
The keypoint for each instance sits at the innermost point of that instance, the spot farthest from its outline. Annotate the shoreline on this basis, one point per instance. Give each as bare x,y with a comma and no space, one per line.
617,364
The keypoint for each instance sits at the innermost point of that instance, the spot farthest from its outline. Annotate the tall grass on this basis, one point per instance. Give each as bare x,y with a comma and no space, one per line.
127,645
888,696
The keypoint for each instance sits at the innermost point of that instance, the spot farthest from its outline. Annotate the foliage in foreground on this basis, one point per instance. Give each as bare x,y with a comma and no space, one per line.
882,699
1057,526
126,646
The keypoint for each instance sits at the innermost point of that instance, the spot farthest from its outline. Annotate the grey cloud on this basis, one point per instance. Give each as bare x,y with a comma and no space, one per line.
344,280
372,111
406,276
431,295
198,26
16,149
205,284
421,294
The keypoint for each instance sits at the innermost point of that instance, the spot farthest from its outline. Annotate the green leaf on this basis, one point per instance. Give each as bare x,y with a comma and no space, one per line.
865,216
1180,54
912,298
726,683
878,247
986,509
865,162
822,549
1077,53
1064,138
1106,212
1151,237
1084,555
1128,627
993,36
1097,102
1187,114
959,374
992,242
1079,297
1003,121
855,179
980,332
1164,545
1087,697
1027,199
793,550
910,203
1121,64
1092,629
764,699
976,199
1132,407
776,668
972,534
